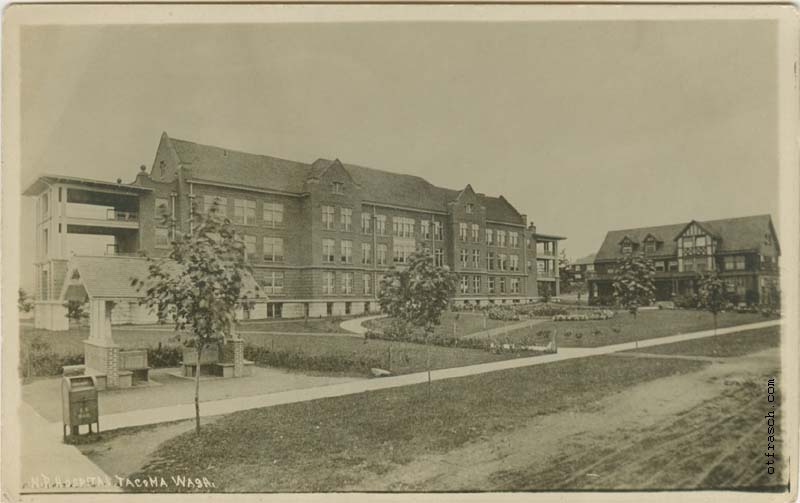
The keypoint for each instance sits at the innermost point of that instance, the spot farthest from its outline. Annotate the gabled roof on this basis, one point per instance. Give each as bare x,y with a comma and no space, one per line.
220,165
734,234
589,259
703,227
109,277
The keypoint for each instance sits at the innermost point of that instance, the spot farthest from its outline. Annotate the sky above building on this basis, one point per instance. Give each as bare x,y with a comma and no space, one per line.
583,126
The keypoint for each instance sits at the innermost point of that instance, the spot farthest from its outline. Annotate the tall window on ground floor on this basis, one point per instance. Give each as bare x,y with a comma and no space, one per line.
250,247
490,284
464,285
438,255
476,284
367,279
327,283
502,285
347,282
274,310
514,285
272,282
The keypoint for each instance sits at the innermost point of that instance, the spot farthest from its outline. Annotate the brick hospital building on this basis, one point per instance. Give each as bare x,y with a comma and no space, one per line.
319,236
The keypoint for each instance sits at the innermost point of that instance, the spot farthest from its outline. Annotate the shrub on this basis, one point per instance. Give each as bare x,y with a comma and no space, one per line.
545,311
298,360
686,301
39,360
602,300
605,314
504,313
164,356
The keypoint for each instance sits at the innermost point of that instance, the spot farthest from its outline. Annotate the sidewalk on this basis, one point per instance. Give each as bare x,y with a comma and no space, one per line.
505,329
355,325
46,463
227,406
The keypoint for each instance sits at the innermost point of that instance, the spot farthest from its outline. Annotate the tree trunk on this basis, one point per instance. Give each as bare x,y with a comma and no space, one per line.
715,324
428,360
197,390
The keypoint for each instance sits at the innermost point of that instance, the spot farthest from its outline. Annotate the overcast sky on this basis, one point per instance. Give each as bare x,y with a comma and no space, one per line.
583,126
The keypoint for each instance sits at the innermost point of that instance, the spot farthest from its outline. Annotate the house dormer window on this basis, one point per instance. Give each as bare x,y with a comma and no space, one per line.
650,246
627,248
338,188
469,208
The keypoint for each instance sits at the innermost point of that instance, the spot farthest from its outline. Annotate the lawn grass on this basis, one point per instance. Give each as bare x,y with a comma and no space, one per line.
624,327
405,357
324,445
730,345
465,323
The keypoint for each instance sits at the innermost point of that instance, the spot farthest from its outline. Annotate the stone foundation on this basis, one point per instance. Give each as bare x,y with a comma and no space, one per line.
103,358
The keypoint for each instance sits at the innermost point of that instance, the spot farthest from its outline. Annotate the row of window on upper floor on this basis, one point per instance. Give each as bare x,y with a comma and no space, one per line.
695,264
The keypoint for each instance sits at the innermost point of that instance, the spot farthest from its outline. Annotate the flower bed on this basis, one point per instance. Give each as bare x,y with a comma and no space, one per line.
605,314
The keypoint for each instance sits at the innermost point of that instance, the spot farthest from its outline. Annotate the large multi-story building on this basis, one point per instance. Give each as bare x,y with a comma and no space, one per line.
744,252
319,236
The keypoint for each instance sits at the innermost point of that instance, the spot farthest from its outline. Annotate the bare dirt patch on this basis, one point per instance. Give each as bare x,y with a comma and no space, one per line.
691,431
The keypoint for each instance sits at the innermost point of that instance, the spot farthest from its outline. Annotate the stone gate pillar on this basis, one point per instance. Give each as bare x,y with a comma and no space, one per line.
101,353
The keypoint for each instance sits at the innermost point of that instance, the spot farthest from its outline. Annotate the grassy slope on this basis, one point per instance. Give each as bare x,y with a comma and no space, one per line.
737,344
466,323
624,327
326,444
405,357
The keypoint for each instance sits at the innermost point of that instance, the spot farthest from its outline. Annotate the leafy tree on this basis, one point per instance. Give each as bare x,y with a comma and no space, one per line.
24,301
634,283
200,285
711,295
418,294
76,310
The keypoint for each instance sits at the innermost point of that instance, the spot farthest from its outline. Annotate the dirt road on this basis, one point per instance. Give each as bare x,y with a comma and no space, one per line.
700,430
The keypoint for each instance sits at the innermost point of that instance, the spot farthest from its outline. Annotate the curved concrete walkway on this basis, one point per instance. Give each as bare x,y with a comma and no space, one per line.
356,324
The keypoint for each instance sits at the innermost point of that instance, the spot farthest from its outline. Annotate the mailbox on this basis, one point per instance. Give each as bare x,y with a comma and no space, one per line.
79,403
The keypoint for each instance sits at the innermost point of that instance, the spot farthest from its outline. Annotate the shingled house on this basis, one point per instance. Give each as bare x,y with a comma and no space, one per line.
319,236
744,251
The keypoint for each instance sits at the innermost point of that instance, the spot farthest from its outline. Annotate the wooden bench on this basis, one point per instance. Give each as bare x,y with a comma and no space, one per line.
133,362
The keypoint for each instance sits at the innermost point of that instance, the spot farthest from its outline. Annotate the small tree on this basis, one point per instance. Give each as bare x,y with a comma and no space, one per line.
634,283
200,286
418,295
76,310
24,301
711,295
